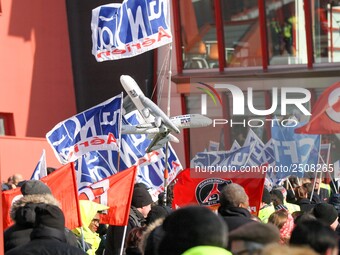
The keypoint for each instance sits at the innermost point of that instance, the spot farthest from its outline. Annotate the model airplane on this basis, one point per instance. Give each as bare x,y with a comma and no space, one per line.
157,124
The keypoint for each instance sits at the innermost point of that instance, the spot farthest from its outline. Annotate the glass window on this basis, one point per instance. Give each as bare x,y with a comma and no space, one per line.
286,32
198,32
326,28
6,124
2,126
241,33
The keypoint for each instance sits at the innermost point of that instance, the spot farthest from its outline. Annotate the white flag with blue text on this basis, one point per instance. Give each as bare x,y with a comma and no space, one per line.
97,165
129,29
97,128
233,160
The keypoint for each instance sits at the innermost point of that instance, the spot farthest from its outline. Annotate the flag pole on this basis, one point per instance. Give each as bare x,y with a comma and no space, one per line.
82,238
123,241
120,132
323,162
166,174
290,185
314,183
77,204
166,171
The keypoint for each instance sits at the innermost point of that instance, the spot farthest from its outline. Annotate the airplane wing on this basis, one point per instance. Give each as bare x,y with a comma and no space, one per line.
158,141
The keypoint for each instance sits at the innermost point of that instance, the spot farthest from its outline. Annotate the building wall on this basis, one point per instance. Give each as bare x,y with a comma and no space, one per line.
21,155
36,80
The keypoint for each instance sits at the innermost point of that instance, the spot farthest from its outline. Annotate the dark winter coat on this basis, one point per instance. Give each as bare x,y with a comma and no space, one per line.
235,216
46,241
115,233
305,205
22,213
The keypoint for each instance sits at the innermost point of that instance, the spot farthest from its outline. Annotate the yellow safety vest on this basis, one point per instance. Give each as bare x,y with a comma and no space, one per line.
265,212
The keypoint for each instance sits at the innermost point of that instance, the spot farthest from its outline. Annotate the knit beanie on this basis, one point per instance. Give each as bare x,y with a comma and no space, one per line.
325,213
141,197
35,187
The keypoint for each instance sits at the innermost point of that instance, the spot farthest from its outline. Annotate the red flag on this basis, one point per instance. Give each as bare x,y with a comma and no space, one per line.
325,114
206,191
63,185
9,197
114,191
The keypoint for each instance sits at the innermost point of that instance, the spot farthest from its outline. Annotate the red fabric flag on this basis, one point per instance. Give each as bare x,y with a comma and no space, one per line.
114,191
206,191
325,117
63,185
9,197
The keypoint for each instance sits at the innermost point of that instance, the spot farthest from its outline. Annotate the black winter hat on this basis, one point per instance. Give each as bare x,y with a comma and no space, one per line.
141,197
35,187
266,196
192,226
325,213
157,212
50,215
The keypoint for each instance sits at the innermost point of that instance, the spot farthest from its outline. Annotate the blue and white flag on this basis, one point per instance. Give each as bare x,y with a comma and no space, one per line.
129,29
268,153
97,165
294,153
232,160
257,147
40,170
95,129
234,146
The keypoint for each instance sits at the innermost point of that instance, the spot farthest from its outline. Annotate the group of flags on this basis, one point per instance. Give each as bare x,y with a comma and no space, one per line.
102,165
114,191
105,163
99,175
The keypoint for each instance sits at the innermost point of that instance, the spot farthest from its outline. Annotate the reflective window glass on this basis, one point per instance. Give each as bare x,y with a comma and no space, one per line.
286,32
242,33
326,30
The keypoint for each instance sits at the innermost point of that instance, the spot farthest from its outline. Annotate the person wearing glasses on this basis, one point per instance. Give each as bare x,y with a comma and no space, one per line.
88,237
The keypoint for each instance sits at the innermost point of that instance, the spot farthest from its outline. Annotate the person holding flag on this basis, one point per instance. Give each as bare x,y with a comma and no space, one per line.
90,218
140,207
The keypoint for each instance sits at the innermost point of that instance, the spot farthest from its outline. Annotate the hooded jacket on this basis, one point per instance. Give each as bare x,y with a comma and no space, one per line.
115,233
234,216
46,240
88,209
22,213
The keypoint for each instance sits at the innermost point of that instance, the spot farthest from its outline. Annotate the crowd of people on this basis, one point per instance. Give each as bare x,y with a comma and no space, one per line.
301,218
